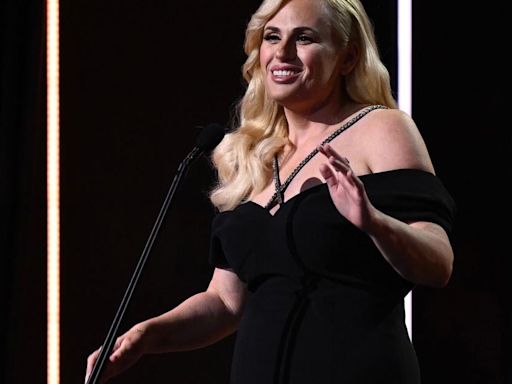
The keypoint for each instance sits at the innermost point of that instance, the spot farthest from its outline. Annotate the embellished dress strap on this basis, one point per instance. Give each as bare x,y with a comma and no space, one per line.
280,188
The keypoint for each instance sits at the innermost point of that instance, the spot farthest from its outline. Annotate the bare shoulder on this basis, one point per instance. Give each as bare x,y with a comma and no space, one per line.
393,141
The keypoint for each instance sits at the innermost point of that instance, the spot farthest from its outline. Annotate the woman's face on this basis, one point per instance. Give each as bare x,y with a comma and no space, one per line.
299,57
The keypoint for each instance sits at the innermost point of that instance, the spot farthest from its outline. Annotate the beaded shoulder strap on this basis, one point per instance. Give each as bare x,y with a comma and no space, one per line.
278,196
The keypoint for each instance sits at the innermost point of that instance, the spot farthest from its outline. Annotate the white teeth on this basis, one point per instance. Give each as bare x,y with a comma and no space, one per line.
282,73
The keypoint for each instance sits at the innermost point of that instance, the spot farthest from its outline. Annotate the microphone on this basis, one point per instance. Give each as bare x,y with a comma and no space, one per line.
210,136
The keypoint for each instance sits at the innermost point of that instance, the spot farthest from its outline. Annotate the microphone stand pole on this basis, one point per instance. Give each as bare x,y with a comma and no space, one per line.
107,346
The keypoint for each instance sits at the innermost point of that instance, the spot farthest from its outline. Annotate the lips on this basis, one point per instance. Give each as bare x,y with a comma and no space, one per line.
284,74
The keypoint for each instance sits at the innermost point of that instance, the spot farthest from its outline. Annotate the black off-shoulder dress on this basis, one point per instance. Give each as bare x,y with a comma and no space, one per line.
324,305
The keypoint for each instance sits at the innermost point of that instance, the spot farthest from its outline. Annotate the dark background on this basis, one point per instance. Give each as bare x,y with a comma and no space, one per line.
137,78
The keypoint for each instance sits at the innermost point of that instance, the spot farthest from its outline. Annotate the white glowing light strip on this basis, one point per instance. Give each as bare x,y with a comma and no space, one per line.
405,93
53,193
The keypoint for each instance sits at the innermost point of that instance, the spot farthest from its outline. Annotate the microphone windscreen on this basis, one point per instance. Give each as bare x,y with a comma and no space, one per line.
210,136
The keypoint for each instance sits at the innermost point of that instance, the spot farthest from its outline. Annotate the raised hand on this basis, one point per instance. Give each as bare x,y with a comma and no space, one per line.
346,189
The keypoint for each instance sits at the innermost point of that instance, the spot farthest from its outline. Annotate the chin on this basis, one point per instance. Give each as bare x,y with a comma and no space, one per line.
283,97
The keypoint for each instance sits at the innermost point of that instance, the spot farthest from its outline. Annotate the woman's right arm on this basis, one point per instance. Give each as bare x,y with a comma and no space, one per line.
199,321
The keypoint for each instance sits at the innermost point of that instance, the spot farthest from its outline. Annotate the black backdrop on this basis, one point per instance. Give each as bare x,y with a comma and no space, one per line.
136,80
22,191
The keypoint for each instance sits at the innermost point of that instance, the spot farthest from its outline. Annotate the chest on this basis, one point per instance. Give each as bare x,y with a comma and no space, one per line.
303,170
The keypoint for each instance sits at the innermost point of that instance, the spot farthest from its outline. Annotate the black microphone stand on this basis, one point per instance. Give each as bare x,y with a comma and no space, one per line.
107,346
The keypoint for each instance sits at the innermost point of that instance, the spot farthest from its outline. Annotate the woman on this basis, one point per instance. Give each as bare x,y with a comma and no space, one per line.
329,214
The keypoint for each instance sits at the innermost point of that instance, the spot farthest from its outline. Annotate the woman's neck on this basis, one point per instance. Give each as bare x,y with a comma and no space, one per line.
304,126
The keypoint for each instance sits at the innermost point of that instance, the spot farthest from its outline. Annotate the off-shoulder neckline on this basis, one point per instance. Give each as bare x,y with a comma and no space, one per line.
313,188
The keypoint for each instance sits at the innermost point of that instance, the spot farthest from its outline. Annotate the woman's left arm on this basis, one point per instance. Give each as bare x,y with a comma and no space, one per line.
420,251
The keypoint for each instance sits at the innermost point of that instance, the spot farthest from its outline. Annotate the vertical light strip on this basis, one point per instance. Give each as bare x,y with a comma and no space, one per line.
405,93
53,193
405,55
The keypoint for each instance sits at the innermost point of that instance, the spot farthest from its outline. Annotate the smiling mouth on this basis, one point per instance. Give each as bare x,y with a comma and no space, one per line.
282,72
284,75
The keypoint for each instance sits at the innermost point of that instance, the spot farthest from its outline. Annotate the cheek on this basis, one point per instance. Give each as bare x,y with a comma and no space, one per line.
312,60
318,56
264,57
323,67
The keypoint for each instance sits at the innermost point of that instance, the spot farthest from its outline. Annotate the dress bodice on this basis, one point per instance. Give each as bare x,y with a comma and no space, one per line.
308,235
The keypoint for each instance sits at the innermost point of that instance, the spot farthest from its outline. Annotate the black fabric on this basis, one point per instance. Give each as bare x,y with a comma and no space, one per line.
324,305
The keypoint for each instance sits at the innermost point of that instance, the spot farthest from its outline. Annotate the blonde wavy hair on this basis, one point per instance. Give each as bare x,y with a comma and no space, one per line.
244,157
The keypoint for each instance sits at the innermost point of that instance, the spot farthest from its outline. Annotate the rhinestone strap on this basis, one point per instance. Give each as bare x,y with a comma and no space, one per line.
280,188
279,192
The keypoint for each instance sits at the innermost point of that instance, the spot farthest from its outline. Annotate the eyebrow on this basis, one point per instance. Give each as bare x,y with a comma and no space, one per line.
295,30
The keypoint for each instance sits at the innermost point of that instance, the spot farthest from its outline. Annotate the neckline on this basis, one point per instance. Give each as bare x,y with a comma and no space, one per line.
323,185
278,196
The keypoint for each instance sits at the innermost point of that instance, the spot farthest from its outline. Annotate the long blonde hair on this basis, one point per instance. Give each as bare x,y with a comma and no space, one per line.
244,157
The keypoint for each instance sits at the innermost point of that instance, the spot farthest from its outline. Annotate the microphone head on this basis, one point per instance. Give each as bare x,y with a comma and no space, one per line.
210,136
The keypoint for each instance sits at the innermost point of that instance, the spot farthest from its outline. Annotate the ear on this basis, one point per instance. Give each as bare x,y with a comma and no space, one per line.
349,58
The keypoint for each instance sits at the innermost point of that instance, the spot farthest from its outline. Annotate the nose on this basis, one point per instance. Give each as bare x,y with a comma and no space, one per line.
286,50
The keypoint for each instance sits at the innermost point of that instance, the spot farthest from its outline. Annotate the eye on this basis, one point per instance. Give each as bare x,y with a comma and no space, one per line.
271,37
304,39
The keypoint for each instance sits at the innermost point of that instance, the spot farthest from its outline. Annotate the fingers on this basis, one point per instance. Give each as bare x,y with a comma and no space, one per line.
126,344
91,360
338,162
93,357
328,175
329,152
125,352
118,349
